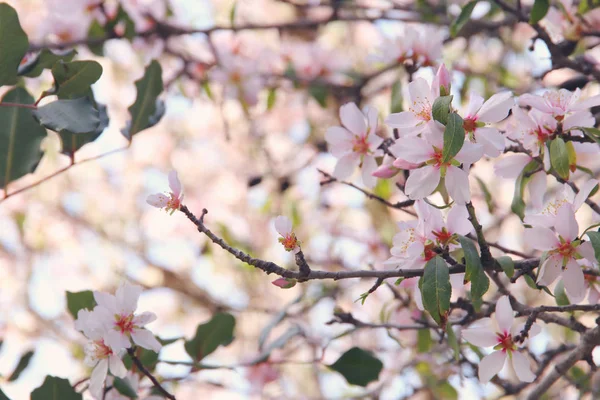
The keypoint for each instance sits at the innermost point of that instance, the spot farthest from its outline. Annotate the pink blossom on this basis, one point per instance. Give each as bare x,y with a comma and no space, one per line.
418,117
444,80
495,109
420,45
564,248
564,106
171,202
500,332
261,374
355,143
288,239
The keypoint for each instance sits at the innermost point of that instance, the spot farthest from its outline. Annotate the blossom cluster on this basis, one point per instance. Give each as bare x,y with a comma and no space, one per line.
111,327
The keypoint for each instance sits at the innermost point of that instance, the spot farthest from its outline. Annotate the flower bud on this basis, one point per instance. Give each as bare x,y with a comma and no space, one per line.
284,283
444,79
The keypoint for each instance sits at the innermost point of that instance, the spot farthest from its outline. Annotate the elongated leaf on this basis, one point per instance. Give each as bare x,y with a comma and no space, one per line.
20,138
507,264
21,365
423,340
539,11
55,388
76,116
80,300
595,239
559,157
436,289
396,101
13,45
518,205
148,358
144,110
463,18
480,283
73,79
560,296
358,366
45,59
124,387
486,194
454,137
441,109
96,34
453,341
319,93
209,336
271,98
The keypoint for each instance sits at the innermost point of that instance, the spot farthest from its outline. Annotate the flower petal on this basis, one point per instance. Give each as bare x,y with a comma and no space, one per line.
336,134
144,318
457,185
537,188
566,224
346,166
510,167
550,270
97,379
573,279
145,338
414,150
174,183
584,192
368,167
353,119
490,365
504,314
491,139
117,368
422,182
496,108
283,225
540,238
127,297
458,221
482,337
522,367
158,200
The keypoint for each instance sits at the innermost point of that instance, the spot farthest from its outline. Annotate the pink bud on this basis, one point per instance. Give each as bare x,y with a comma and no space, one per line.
284,283
385,171
444,80
403,164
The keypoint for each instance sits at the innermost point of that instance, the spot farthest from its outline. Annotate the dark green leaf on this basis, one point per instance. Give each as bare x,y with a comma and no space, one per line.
80,300
486,194
3,396
530,282
396,102
595,239
560,296
480,283
166,342
319,93
145,110
147,357
21,365
55,388
124,387
13,45
20,138
125,20
559,157
358,366
454,137
518,205
73,79
45,59
507,264
96,34
423,340
76,115
463,18
436,289
271,98
209,336
441,109
71,142
539,11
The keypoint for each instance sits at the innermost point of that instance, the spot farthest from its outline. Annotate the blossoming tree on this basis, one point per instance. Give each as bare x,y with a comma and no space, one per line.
402,194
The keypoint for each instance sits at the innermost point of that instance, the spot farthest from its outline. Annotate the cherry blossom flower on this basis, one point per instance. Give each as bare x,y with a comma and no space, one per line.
171,202
564,106
355,143
500,333
97,353
495,109
420,45
591,287
122,324
564,249
444,233
424,180
418,117
532,129
288,239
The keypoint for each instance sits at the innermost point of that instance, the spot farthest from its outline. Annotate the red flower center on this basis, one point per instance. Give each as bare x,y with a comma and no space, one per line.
469,124
505,342
443,236
124,323
360,145
428,252
289,242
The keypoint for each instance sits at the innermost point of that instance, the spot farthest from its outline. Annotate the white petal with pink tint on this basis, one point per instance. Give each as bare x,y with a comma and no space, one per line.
586,250
504,314
584,192
174,183
470,153
422,182
522,367
145,338
346,166
475,103
414,150
540,238
551,269
537,188
511,166
490,365
283,225
491,139
458,221
457,185
566,224
353,119
157,200
496,108
369,166
336,134
573,278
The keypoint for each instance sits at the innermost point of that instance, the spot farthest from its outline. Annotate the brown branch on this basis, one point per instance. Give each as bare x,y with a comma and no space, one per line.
155,382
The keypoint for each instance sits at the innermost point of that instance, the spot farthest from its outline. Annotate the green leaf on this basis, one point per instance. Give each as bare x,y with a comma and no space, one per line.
271,98
463,18
436,289
21,365
3,396
124,387
507,264
232,13
445,391
76,115
122,18
319,93
423,340
209,336
595,239
207,90
486,194
96,34
13,45
454,137
530,282
148,358
539,11
480,283
441,109
396,102
560,296
358,366
145,110
453,341
20,137
559,157
71,142
55,388
80,300
518,205
45,59
73,79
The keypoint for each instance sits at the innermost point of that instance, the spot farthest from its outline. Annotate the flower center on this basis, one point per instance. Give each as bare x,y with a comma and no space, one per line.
428,252
100,350
360,145
470,124
444,237
566,249
422,109
174,203
124,323
289,242
505,342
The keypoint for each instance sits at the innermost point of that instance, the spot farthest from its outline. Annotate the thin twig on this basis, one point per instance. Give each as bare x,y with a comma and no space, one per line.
140,366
